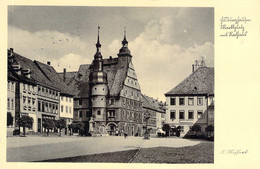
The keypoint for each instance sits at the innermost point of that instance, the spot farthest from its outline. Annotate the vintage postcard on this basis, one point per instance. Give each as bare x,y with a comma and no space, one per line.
130,84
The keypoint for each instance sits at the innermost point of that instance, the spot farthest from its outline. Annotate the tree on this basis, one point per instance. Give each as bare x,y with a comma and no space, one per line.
166,128
78,126
25,121
210,129
60,124
48,124
10,119
196,128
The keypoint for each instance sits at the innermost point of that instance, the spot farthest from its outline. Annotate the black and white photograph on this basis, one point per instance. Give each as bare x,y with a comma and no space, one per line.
110,84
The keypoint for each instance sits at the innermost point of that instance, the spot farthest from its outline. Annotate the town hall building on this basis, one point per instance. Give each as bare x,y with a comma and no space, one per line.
107,94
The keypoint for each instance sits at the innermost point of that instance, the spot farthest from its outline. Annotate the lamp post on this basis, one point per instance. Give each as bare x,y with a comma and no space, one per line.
146,117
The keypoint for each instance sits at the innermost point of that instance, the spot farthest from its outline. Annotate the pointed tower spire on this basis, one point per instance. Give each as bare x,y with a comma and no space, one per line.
98,45
124,42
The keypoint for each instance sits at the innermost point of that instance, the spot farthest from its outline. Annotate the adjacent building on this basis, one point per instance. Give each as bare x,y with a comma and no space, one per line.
38,89
156,110
191,102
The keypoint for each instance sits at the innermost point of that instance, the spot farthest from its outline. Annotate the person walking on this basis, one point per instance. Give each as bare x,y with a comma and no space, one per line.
125,134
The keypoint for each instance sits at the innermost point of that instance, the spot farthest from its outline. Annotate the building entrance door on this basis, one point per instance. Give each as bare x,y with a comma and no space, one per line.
111,129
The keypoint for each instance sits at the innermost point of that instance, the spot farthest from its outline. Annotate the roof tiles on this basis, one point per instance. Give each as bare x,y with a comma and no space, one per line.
199,82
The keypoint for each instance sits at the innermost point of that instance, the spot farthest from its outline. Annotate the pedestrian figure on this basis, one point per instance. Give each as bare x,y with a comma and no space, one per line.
125,135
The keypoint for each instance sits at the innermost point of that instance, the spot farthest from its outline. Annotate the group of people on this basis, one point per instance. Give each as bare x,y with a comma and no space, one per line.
119,133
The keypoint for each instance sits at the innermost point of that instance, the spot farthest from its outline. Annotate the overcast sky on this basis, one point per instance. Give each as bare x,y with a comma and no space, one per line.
164,42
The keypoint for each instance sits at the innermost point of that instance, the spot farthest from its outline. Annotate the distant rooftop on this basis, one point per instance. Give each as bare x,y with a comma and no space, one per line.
199,82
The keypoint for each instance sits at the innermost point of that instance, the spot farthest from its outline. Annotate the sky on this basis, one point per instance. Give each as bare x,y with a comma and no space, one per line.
164,41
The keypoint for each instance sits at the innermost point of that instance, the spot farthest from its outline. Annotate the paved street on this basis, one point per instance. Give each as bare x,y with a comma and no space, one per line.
37,148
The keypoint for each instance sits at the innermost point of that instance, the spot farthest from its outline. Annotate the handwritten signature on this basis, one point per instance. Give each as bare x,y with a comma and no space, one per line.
234,151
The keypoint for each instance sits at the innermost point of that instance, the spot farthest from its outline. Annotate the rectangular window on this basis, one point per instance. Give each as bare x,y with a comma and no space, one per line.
99,112
181,115
61,108
173,100
8,103
182,101
112,101
24,100
69,109
47,107
24,87
56,111
191,101
66,99
39,106
12,86
69,99
200,101
80,102
66,109
173,114
12,103
80,114
111,113
191,115
61,98
200,115
50,107
29,100
43,107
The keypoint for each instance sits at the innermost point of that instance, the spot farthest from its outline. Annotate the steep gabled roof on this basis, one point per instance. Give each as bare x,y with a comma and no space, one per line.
199,82
12,75
52,75
119,79
151,103
42,74
80,81
68,76
36,73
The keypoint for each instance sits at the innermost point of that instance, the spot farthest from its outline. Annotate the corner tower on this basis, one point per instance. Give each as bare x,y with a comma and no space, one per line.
99,90
124,55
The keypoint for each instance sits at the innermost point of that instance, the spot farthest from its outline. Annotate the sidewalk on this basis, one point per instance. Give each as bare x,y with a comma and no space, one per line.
39,148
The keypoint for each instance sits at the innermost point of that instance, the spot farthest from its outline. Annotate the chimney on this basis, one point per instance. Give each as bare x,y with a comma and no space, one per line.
10,55
203,62
64,74
196,65
192,68
48,63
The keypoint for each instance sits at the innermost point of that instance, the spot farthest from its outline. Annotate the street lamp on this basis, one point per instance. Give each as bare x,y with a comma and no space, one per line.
146,117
